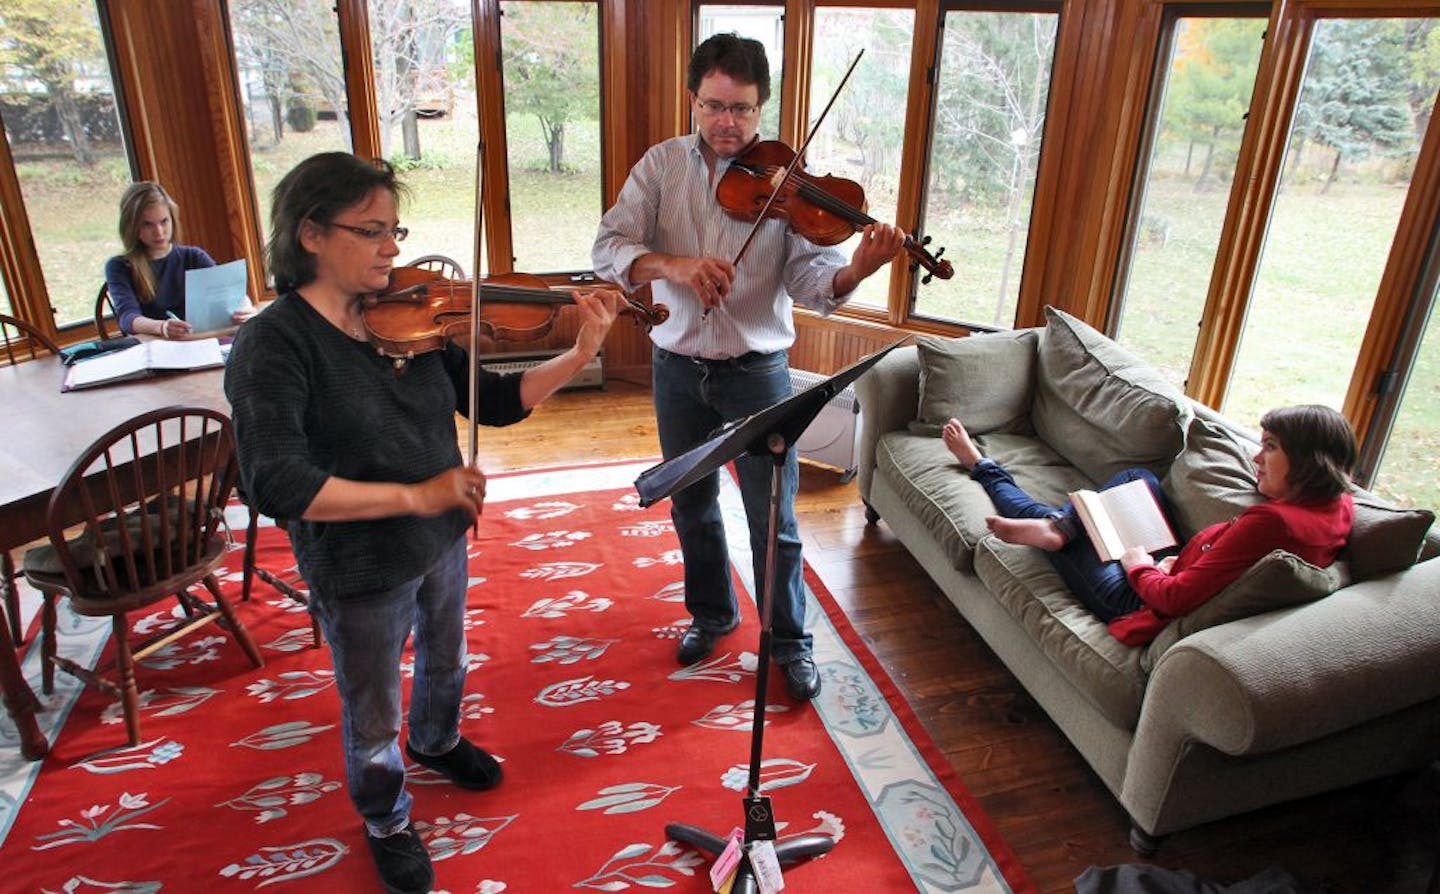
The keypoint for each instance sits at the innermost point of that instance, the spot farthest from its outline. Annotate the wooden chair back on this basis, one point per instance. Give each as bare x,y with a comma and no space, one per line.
104,313
23,341
442,265
151,493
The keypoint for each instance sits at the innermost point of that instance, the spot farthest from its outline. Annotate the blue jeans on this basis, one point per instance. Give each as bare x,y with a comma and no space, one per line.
693,398
1101,586
367,635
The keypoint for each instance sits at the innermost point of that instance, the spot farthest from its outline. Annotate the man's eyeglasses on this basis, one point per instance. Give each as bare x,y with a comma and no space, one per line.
715,107
396,233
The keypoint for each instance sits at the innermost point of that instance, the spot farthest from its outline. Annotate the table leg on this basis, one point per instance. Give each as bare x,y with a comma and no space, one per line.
20,700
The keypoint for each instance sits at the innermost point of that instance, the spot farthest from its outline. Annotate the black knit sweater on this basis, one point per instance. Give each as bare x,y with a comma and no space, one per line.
309,402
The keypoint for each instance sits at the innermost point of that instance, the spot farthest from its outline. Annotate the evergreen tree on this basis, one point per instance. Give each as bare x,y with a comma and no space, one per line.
1355,100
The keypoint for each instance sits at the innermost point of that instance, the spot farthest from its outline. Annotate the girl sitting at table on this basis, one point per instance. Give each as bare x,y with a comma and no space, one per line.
147,282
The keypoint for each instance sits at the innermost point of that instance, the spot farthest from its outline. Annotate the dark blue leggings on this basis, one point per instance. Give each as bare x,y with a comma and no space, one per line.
1101,586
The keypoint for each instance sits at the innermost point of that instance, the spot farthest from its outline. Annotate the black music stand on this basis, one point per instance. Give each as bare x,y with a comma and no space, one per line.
771,432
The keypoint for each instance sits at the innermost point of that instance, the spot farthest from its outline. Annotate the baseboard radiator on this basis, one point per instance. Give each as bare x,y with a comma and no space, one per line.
833,439
591,375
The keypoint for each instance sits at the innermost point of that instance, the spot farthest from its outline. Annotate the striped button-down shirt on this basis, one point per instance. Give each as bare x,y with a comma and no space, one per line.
668,205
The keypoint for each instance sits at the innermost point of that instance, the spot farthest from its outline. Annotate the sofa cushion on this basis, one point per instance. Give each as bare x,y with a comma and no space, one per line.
1384,538
1212,480
1104,670
986,381
1101,407
926,477
1279,580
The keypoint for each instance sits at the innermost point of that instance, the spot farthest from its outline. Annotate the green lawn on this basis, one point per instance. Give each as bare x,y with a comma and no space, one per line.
1313,297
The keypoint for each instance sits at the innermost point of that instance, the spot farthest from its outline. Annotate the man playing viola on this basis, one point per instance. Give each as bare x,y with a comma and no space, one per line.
723,354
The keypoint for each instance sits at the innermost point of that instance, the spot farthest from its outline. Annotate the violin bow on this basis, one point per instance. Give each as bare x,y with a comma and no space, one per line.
799,154
473,365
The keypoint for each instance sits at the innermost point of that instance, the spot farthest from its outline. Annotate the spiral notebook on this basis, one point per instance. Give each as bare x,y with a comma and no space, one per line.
144,359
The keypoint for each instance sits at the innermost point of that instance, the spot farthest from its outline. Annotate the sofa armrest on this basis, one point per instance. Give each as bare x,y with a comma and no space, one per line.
1292,676
889,395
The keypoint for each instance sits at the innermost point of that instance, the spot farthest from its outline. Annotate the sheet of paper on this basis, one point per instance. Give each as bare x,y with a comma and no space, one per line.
212,294
185,354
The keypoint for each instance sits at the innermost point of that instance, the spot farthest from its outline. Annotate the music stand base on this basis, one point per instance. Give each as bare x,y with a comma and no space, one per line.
788,851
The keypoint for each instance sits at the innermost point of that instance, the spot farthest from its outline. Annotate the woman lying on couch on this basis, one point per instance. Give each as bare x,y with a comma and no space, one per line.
1302,469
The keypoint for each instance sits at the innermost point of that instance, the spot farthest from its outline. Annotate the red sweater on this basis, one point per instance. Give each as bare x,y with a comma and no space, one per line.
1215,557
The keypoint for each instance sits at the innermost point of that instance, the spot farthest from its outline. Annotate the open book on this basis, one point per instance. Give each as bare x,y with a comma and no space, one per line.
1122,517
144,359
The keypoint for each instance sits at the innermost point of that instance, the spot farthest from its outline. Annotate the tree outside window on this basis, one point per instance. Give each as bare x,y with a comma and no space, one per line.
989,123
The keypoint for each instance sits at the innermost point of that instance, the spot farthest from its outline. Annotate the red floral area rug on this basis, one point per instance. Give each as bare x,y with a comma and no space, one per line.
575,608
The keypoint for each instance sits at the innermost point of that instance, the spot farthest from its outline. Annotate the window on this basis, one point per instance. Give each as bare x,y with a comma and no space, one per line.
1194,144
1409,471
58,105
763,23
862,137
292,86
425,92
989,119
1362,112
550,53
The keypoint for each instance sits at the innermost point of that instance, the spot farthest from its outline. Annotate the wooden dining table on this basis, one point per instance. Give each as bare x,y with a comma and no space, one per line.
45,430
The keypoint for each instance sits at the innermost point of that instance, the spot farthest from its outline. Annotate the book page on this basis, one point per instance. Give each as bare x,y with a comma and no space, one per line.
212,294
1098,524
112,367
199,353
1137,517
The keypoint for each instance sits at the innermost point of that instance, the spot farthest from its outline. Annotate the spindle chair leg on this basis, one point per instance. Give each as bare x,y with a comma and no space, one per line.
125,668
12,598
237,630
47,643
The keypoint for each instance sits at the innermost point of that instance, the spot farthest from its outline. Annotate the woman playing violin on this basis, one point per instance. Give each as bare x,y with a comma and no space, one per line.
722,355
363,462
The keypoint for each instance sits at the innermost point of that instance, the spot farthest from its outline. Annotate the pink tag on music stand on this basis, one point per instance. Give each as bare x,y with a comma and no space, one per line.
723,870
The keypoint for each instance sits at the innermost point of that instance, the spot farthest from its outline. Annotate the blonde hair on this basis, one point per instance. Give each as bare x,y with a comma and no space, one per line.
137,198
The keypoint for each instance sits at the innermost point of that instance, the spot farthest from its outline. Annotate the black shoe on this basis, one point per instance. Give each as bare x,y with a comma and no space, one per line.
403,862
802,679
696,644
467,766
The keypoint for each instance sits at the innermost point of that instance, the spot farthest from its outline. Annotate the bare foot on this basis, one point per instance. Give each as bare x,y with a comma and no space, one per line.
1037,532
958,440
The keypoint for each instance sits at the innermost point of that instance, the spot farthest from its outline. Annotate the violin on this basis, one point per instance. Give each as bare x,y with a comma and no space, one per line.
826,210
422,310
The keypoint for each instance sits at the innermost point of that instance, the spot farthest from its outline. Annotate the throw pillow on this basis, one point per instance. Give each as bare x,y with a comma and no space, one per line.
1101,407
986,381
1212,480
1384,538
1279,580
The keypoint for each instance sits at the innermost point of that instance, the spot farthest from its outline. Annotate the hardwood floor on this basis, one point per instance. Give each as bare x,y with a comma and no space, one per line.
1040,794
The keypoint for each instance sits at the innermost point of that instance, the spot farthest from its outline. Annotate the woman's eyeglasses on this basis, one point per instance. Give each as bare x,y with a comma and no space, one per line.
396,233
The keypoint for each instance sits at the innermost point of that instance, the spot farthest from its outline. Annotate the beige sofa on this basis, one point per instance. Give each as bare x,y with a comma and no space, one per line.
1294,680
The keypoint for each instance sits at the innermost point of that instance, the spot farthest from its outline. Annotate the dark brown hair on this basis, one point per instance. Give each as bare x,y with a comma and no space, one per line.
742,58
1320,446
317,190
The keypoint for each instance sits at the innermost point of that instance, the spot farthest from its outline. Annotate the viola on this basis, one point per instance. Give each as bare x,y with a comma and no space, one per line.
422,310
826,210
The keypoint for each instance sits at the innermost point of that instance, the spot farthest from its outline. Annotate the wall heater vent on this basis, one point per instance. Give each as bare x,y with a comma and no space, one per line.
833,439
591,375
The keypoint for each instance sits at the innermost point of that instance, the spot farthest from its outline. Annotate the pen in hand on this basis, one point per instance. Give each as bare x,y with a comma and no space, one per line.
165,323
